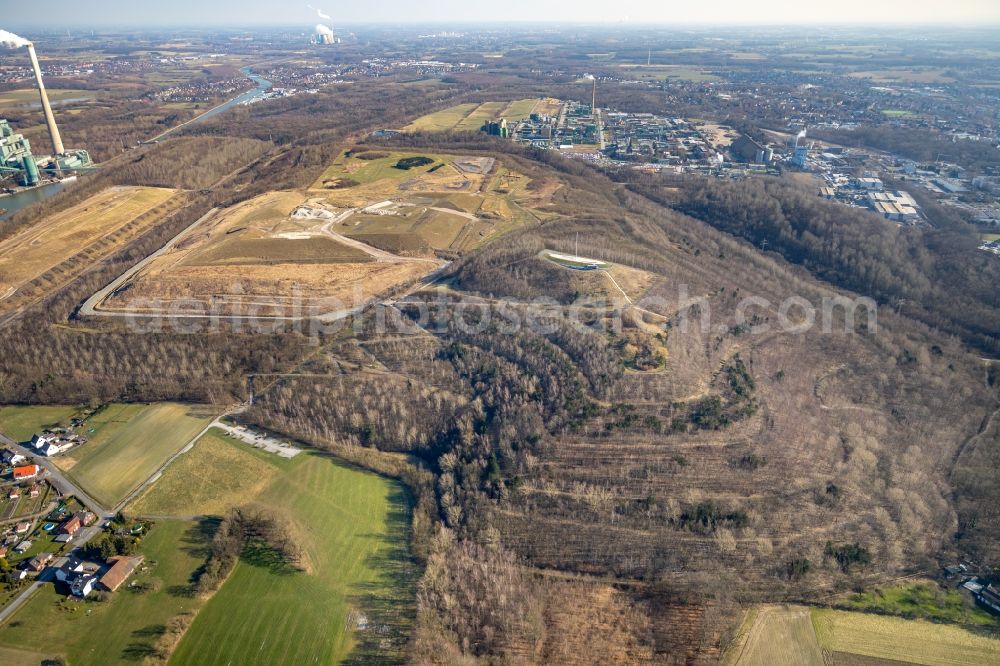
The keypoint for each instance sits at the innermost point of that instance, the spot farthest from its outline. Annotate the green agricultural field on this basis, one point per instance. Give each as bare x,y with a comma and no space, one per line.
21,422
908,641
128,444
440,229
519,109
130,625
30,96
215,475
475,120
353,528
18,657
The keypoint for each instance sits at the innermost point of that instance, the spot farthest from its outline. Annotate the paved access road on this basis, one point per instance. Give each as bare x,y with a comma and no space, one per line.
88,308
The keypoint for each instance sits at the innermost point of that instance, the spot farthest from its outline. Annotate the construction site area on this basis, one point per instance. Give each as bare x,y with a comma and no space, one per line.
374,221
445,206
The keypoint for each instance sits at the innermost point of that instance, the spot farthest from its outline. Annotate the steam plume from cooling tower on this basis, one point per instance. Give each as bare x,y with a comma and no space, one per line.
321,13
323,31
11,41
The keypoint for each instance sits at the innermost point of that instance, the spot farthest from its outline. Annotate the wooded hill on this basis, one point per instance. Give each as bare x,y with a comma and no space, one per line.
749,467
565,502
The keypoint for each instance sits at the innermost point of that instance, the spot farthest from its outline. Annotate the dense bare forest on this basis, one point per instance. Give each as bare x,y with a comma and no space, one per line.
934,276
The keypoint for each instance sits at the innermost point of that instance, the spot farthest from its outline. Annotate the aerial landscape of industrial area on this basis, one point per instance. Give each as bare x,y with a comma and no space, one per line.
500,335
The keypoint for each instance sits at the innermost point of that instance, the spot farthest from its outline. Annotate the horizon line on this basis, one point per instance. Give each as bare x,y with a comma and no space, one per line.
992,23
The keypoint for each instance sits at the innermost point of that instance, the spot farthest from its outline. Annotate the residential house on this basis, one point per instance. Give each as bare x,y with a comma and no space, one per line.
15,493
22,547
26,472
71,526
69,570
34,490
82,585
22,528
121,568
38,562
86,517
9,457
53,448
52,443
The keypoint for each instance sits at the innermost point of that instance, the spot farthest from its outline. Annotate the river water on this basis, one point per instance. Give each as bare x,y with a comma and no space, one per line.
18,201
263,85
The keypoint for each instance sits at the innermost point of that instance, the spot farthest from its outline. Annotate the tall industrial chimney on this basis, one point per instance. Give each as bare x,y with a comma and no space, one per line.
50,120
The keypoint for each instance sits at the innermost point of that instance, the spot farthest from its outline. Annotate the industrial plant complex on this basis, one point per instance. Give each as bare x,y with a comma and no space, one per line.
15,151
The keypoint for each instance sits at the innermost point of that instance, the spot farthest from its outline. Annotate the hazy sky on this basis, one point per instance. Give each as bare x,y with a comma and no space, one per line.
66,13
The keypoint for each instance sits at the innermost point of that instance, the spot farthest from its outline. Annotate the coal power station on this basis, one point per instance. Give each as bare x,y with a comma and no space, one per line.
15,150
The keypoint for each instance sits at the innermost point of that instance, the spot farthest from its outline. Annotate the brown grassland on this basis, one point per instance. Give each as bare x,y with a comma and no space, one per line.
777,636
92,229
911,641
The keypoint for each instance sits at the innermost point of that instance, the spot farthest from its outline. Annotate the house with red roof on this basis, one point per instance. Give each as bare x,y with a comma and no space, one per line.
26,472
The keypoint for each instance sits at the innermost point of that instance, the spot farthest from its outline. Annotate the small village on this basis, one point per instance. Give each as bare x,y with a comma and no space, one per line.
50,536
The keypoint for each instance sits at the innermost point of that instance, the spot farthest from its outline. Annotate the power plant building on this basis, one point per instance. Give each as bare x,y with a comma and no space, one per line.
497,128
15,150
747,149
15,154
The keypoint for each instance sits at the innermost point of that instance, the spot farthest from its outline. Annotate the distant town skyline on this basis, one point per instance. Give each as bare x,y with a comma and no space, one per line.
58,14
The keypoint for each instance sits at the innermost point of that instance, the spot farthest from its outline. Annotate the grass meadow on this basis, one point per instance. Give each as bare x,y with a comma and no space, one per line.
353,599
128,444
20,422
370,171
924,601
